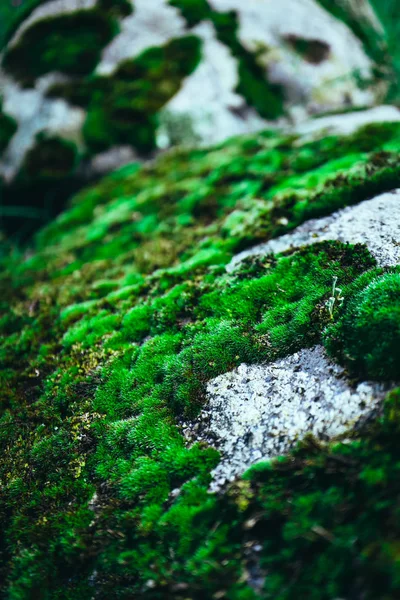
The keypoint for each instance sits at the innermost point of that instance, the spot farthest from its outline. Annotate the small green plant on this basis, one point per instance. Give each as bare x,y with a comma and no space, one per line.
335,299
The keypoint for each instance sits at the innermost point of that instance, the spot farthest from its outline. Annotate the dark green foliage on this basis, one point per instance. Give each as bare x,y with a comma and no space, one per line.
50,158
388,13
367,337
12,15
69,43
8,126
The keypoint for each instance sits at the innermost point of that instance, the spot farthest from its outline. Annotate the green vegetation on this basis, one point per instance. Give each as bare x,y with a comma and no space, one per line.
113,325
69,43
8,126
367,337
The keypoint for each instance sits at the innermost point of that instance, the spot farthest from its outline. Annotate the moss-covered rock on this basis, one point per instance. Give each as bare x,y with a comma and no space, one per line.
114,323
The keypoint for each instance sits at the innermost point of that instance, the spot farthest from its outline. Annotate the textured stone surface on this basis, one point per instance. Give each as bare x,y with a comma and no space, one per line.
374,222
209,96
267,26
259,411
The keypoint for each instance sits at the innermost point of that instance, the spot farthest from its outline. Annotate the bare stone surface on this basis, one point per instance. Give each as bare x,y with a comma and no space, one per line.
257,412
347,124
374,222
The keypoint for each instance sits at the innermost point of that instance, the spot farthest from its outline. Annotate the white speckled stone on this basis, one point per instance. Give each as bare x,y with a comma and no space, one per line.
257,412
374,222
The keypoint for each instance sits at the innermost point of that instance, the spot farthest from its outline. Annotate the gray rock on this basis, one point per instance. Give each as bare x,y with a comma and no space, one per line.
374,222
256,412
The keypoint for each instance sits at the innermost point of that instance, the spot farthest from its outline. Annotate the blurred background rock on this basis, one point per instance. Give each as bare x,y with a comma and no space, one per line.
90,85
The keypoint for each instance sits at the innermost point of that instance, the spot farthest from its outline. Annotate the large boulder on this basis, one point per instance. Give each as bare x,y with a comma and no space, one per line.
104,82
146,363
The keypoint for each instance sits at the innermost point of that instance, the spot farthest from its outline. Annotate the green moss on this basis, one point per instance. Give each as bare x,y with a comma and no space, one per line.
265,97
367,337
69,43
11,16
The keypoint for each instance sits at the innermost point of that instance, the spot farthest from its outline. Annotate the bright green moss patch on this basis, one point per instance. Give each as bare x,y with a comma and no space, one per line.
367,337
69,43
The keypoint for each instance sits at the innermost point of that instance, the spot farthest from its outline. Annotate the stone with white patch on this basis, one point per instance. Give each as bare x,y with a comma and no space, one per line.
208,96
375,223
257,412
267,27
153,23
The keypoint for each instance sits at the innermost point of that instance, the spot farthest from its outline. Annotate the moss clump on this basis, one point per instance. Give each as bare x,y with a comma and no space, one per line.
50,158
8,126
367,337
326,517
69,43
114,430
